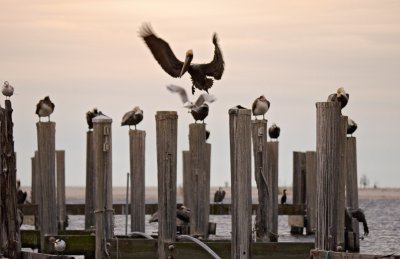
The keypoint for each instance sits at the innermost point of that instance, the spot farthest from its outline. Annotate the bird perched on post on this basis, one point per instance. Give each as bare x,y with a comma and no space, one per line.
199,109
182,216
45,108
7,90
283,198
274,131
219,195
200,73
340,96
132,117
260,106
351,126
90,115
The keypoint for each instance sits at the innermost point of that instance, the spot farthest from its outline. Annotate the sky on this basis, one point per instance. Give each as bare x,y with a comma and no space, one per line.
86,54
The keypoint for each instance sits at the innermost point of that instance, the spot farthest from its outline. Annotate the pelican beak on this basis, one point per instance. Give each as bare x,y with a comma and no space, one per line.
185,66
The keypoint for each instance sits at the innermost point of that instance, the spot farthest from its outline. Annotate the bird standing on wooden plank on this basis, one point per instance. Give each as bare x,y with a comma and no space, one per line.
200,73
260,106
7,90
45,108
133,117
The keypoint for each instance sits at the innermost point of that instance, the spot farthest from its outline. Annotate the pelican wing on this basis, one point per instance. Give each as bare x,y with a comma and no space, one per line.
216,67
161,51
126,117
205,98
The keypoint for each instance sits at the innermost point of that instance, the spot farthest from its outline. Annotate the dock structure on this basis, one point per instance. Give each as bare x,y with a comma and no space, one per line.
187,179
311,189
341,202
62,220
272,148
299,191
90,192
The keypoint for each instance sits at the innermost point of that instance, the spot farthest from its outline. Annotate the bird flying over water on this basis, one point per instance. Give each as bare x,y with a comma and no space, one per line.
199,109
132,117
7,90
274,131
90,115
351,126
260,106
200,73
340,96
45,108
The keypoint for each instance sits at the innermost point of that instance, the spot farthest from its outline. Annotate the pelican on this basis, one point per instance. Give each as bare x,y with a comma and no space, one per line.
283,198
340,96
219,195
200,73
45,108
7,90
357,214
90,115
260,106
199,109
351,126
132,117
182,216
274,131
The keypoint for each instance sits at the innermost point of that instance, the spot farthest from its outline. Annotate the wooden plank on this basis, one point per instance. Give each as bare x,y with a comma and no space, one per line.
38,195
341,199
166,138
187,179
33,180
75,245
61,209
90,192
123,248
31,255
137,146
320,254
299,185
311,189
272,209
240,147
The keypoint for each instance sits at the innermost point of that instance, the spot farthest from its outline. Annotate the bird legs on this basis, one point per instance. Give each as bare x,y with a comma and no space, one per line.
193,89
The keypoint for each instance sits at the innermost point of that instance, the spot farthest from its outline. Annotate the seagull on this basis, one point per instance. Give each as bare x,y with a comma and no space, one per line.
45,107
260,106
219,195
7,90
200,73
283,198
132,117
340,96
199,109
351,126
274,131
90,115
59,244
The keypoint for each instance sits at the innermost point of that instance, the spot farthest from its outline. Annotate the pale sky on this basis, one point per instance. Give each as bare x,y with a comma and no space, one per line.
86,54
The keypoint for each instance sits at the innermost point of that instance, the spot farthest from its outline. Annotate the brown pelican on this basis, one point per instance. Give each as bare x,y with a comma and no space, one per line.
340,96
200,73
199,109
182,216
132,117
90,115
7,90
260,106
219,195
357,214
45,107
274,131
351,126
283,198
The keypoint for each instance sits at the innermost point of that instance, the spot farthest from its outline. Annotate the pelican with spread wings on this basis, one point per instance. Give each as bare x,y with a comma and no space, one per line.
201,73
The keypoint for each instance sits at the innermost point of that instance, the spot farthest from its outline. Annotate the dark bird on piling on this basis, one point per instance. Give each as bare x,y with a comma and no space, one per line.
90,115
340,96
7,90
200,73
21,197
219,195
199,109
260,106
274,131
207,134
132,117
182,216
283,198
359,215
351,126
45,108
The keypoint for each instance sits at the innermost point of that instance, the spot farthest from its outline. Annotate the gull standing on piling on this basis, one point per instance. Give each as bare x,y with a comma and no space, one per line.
90,115
274,131
132,117
351,126
7,90
340,96
45,108
260,106
199,109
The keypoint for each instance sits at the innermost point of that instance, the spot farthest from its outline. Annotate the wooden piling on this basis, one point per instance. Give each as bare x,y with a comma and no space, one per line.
272,210
47,182
90,192
137,140
299,185
240,149
61,208
187,179
166,138
102,143
311,189
33,182
341,202
36,188
328,155
259,136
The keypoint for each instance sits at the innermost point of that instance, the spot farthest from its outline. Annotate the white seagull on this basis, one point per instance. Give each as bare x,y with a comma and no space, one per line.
7,90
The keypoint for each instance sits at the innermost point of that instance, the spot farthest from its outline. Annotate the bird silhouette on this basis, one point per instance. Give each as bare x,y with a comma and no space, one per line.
133,117
45,108
260,106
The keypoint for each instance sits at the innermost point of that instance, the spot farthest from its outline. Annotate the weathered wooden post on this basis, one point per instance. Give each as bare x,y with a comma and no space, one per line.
33,182
167,134
341,203
311,189
272,210
61,208
36,188
200,198
90,192
187,179
259,135
137,141
299,191
102,143
46,133
328,166
9,225
240,146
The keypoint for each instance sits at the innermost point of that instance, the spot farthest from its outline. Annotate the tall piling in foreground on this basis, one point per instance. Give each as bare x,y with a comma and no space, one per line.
90,192
36,189
311,189
341,202
272,210
240,149
166,138
10,239
200,198
259,136
187,179
61,207
299,191
137,145
102,143
33,182
328,155
47,181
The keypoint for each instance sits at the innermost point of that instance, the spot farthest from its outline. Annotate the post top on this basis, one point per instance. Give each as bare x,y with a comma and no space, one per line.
262,121
45,123
327,104
163,115
239,111
102,119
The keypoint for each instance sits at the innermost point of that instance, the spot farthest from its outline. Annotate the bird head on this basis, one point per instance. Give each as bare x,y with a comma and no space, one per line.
47,98
188,60
262,98
340,91
137,110
284,191
273,125
6,84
